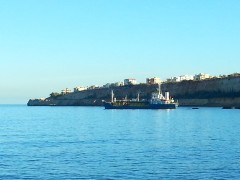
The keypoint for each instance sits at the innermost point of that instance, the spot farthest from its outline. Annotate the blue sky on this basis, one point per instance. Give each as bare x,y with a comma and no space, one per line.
46,46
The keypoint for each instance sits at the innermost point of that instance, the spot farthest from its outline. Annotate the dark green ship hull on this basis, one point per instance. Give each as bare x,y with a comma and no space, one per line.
138,105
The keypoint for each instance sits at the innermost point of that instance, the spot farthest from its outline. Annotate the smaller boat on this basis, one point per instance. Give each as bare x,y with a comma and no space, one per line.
228,107
157,101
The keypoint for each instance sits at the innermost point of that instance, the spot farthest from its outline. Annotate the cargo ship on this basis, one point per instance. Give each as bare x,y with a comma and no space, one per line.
157,101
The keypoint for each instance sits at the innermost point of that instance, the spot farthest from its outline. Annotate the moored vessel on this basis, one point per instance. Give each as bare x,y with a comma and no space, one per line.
157,101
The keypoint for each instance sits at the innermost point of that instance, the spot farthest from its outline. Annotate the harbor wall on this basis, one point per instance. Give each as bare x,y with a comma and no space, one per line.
213,92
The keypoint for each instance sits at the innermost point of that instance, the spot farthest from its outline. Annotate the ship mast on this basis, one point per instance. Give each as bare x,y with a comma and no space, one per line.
159,89
138,95
112,95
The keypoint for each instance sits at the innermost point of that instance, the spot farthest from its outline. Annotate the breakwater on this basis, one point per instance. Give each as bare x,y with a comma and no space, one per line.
212,92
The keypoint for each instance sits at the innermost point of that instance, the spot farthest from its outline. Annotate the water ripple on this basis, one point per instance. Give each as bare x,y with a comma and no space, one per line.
90,143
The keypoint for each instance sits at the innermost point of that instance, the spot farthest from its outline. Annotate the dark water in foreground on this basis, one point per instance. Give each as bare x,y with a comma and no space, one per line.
92,143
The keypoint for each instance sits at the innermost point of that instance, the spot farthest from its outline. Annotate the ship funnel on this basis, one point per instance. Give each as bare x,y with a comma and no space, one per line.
167,95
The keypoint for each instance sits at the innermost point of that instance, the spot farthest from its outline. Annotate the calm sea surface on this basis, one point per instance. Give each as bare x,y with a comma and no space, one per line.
93,143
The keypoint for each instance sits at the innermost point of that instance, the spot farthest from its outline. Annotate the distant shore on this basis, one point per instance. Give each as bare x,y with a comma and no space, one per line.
223,92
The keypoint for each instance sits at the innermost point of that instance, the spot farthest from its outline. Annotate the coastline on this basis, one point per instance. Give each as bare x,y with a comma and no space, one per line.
223,92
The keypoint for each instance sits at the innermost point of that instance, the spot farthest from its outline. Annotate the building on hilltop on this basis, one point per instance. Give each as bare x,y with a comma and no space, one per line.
234,75
130,81
181,78
77,89
201,76
186,77
93,87
173,79
154,80
66,91
116,84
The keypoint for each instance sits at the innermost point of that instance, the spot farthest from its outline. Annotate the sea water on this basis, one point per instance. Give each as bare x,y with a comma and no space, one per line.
93,143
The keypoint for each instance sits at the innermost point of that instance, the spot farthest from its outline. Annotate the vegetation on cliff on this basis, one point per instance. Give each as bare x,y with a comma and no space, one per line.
54,95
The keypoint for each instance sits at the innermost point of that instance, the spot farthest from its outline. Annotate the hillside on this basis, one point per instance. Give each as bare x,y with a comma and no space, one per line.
213,92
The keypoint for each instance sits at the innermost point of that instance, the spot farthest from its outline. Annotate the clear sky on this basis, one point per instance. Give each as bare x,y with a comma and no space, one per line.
48,45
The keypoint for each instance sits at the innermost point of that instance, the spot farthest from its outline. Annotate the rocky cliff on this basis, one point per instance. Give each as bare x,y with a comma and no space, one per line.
213,92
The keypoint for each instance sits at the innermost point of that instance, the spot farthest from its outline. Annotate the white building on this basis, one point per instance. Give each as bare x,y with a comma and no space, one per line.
180,78
66,91
93,87
186,77
77,89
154,80
201,76
130,81
174,79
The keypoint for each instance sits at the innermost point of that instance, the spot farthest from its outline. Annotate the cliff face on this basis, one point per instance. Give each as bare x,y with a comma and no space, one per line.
214,92
95,97
227,87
